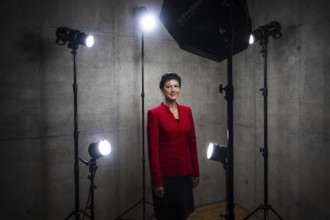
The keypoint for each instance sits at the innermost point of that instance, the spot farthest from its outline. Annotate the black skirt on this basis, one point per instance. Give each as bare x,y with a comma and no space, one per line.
178,201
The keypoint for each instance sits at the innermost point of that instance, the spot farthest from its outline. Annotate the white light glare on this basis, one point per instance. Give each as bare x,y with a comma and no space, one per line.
251,41
104,147
210,150
90,41
148,22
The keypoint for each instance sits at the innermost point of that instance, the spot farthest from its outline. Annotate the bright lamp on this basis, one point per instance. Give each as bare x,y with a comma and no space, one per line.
147,20
217,152
273,29
73,38
99,149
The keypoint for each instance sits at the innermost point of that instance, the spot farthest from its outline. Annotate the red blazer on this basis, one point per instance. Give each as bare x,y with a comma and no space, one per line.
172,147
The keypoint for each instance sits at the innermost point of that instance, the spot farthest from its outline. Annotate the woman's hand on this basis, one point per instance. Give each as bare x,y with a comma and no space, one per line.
195,181
159,191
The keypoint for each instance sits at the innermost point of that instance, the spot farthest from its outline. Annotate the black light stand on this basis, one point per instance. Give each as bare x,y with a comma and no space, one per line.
77,210
92,169
143,199
265,206
229,96
229,168
73,38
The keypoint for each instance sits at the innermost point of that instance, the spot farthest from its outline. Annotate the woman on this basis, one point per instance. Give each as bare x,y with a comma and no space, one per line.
172,151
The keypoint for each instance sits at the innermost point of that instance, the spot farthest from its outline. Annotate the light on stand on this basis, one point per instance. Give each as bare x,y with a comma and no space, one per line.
262,34
73,38
99,149
217,152
273,29
96,150
147,20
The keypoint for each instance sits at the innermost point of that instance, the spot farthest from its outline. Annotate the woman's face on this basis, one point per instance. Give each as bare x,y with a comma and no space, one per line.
171,90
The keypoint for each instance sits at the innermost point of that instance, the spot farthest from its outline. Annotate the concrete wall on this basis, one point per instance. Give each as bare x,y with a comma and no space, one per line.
298,117
36,115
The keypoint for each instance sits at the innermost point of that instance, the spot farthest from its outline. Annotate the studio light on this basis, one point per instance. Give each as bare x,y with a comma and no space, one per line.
262,34
273,29
147,20
217,152
99,149
95,150
73,38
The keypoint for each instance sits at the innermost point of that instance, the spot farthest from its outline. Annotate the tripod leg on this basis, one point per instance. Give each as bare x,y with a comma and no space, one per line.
252,213
275,213
136,204
71,214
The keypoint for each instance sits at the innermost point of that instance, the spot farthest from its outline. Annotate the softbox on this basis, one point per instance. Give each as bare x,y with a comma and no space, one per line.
202,27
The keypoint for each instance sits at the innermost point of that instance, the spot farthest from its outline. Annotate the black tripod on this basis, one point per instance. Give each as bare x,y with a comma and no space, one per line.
143,199
91,206
265,206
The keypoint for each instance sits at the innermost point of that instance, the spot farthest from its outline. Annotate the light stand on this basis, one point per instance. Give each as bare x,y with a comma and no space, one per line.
77,210
229,96
74,38
92,169
143,199
265,206
96,150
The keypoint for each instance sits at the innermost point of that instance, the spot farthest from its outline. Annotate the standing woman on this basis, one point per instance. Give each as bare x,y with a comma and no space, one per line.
172,152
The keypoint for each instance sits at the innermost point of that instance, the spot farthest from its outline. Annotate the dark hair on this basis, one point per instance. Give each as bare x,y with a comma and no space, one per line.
167,77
